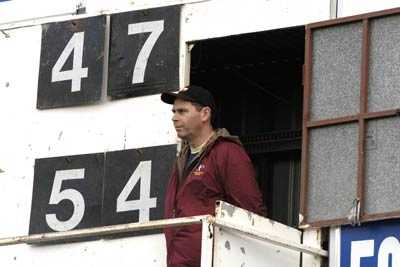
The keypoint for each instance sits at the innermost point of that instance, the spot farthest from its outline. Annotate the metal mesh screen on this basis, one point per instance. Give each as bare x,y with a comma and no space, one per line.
332,171
384,68
383,166
336,71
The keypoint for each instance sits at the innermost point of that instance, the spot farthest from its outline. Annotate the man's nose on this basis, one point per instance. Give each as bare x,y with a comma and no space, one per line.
174,117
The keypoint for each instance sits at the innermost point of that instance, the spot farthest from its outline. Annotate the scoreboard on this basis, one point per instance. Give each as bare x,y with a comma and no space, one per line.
86,68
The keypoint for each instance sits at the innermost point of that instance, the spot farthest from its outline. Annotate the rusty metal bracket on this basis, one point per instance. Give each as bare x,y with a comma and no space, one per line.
354,214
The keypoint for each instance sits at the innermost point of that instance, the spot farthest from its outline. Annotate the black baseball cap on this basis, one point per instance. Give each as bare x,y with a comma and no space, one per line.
192,93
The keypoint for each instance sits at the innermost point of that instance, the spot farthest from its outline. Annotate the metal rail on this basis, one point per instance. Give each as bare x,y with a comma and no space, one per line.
103,230
159,224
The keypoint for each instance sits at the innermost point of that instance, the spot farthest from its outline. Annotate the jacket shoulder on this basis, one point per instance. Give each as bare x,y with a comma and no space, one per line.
228,146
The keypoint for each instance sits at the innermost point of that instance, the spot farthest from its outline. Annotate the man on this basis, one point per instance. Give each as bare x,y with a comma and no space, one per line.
212,165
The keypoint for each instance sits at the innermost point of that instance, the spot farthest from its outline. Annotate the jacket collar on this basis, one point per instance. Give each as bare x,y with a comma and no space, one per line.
219,134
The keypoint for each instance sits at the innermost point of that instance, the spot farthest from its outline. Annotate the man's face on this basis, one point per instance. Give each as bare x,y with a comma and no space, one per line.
187,119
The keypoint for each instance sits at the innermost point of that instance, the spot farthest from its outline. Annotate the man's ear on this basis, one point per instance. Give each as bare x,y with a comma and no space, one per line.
206,113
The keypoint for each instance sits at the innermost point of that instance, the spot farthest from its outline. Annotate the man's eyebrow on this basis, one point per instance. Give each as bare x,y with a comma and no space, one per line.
178,109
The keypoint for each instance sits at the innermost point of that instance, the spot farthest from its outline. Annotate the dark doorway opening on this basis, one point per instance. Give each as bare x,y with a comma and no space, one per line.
256,80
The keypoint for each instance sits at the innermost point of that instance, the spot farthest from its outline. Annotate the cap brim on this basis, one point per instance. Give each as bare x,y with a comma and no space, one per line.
168,97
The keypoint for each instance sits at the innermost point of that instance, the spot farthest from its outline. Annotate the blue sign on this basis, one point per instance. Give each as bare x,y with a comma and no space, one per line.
374,244
4,0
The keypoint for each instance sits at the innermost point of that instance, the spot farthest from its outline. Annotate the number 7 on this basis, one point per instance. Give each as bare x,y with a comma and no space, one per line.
156,28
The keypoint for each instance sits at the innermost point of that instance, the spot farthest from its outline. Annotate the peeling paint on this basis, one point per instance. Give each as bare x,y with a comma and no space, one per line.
249,215
229,209
60,135
227,245
125,138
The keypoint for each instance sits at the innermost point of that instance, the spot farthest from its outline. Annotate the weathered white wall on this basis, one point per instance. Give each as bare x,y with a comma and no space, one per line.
136,251
218,18
355,7
16,10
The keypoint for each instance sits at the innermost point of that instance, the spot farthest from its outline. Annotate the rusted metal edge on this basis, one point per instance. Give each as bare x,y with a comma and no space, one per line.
380,216
361,122
306,115
104,230
272,239
325,223
355,118
355,18
381,114
329,122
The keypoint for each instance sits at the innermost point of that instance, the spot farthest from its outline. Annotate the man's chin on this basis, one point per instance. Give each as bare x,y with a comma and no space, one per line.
181,136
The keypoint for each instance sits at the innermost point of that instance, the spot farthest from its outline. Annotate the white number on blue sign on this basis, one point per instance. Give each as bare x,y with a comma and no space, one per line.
390,246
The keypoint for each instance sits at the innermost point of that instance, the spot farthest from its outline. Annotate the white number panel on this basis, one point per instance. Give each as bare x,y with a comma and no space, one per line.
81,191
135,183
144,52
71,62
67,193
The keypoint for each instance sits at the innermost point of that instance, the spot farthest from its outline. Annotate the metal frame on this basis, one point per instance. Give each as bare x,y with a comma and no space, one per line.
361,118
104,230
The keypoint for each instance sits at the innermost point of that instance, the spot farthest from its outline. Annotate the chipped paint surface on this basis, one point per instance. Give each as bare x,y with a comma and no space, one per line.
239,249
312,237
227,245
234,214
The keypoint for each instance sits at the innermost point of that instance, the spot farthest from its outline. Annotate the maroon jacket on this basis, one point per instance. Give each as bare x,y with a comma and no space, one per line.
224,172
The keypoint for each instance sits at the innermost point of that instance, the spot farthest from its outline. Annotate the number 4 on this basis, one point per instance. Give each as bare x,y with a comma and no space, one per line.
156,28
144,203
75,45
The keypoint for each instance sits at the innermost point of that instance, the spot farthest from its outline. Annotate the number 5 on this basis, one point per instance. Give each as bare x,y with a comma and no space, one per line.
156,28
57,195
